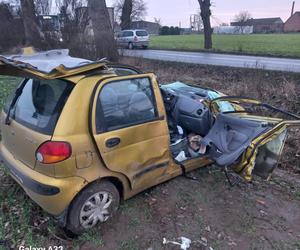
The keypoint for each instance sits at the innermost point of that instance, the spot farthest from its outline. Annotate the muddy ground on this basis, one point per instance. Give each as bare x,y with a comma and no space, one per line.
213,215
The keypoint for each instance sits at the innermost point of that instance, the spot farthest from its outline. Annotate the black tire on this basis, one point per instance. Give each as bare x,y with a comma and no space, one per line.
145,47
73,220
130,46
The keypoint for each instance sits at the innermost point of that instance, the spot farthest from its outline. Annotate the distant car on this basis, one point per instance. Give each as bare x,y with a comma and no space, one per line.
133,39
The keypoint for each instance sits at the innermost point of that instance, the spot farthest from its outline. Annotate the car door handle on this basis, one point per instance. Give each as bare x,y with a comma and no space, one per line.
110,143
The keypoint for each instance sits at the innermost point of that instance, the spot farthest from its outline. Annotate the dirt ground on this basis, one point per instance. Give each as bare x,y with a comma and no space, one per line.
213,215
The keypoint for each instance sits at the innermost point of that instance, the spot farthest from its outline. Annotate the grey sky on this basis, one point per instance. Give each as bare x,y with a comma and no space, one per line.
172,12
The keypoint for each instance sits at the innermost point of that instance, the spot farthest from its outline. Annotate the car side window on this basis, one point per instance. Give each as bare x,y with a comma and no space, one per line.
125,103
127,34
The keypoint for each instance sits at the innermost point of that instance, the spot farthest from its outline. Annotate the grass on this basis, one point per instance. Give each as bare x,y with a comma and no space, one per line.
261,44
92,237
16,225
7,85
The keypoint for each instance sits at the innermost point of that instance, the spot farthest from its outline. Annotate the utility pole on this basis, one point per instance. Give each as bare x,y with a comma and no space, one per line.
293,8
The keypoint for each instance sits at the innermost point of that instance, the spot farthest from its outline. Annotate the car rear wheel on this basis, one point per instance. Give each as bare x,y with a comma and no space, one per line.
93,206
130,46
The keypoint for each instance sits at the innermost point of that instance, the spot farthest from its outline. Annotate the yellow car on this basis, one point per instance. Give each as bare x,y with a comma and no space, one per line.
79,136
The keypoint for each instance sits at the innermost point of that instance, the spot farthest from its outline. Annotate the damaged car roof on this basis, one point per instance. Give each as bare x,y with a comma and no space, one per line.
47,65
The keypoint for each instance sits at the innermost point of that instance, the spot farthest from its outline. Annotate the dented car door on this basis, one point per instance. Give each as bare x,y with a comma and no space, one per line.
251,144
130,128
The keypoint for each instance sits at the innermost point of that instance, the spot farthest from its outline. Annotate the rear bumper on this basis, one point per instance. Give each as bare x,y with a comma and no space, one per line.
52,194
141,44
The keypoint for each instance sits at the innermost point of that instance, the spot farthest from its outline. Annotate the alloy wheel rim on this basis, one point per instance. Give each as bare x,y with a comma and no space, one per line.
95,209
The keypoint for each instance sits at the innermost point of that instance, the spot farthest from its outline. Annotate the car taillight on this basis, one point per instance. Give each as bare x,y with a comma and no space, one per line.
136,39
53,152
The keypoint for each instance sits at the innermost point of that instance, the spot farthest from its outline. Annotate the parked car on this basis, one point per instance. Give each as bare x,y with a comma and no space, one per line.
133,39
79,136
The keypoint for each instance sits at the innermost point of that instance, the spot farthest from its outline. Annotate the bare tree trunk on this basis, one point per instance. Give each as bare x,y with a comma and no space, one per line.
103,32
33,34
126,14
205,15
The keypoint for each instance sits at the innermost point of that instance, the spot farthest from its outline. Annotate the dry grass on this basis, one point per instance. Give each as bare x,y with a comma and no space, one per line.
277,88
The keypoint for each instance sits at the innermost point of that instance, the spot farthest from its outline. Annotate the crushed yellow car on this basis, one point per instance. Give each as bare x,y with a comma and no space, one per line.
79,136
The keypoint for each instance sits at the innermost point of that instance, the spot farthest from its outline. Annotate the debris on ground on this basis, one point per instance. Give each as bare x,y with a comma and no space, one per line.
185,243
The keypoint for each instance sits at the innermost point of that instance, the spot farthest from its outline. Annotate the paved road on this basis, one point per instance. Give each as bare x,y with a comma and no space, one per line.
269,63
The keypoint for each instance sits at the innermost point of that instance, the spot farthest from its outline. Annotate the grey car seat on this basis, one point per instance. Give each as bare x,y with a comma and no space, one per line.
110,108
140,107
230,136
44,100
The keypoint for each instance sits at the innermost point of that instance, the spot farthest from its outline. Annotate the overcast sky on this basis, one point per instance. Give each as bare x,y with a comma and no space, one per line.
172,12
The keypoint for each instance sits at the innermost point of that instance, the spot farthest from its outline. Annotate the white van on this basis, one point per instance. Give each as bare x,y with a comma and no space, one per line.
133,39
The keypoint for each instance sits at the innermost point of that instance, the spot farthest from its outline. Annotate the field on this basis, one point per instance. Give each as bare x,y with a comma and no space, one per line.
259,215
265,44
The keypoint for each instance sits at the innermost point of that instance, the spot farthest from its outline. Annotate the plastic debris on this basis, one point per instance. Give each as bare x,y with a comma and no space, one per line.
181,157
185,243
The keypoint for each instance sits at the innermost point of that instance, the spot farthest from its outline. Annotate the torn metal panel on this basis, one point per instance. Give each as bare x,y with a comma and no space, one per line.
47,65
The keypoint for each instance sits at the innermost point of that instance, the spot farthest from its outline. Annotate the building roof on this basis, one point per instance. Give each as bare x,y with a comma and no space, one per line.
259,21
297,13
142,21
293,20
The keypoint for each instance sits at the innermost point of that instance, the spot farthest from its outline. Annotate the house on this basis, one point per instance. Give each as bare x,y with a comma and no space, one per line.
233,30
263,25
152,28
293,23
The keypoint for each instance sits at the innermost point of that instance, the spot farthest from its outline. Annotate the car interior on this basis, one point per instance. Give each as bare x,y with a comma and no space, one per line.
195,132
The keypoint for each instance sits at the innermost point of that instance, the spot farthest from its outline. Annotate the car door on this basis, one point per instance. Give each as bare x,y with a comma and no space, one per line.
130,128
249,143
142,35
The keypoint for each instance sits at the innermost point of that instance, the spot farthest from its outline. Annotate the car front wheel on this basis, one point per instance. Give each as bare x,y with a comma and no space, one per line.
93,206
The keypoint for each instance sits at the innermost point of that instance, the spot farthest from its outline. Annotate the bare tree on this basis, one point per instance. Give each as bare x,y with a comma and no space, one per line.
43,7
33,34
242,19
102,29
205,15
139,9
126,14
10,25
158,21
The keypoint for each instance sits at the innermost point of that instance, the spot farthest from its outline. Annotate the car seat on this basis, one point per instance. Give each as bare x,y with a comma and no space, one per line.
140,107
